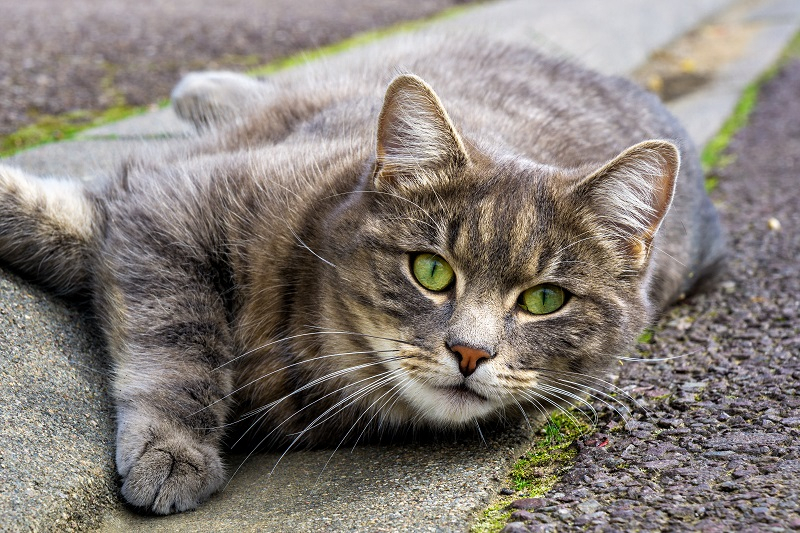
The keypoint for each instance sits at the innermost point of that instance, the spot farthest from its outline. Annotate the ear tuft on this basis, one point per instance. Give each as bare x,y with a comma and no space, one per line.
415,134
630,195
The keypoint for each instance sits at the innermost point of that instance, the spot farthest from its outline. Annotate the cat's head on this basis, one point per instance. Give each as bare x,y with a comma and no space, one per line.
482,281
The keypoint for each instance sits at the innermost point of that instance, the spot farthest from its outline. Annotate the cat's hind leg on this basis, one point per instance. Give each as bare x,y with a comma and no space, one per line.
214,97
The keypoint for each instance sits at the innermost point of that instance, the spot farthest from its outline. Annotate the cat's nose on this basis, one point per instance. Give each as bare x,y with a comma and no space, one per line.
468,358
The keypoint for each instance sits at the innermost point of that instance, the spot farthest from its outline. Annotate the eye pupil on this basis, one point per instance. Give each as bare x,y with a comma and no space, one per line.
542,299
432,272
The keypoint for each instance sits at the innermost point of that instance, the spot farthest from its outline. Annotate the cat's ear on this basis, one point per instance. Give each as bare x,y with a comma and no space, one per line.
630,195
416,138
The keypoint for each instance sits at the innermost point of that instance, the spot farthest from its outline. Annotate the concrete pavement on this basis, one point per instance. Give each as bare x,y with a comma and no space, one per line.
56,464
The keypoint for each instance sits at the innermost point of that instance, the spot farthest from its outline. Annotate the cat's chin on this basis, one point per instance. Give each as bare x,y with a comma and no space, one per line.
451,405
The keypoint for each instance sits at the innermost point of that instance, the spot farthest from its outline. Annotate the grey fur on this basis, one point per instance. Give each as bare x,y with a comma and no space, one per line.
261,272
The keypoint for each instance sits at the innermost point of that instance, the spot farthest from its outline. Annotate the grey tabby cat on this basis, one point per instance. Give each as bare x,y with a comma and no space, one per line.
331,258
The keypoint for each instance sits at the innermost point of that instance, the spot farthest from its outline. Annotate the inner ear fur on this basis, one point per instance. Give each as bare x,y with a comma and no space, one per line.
416,137
630,195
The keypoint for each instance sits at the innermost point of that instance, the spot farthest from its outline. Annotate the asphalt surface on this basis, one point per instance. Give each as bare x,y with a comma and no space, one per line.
719,448
61,56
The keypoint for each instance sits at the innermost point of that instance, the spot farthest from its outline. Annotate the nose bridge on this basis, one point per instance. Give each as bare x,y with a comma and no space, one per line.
476,323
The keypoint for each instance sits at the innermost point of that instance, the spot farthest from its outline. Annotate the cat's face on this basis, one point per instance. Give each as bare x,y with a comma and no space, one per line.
486,284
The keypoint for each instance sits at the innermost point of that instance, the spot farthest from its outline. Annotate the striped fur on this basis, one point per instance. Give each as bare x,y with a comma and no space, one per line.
260,274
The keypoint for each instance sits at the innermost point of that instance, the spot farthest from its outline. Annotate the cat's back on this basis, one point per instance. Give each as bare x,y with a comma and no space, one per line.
499,95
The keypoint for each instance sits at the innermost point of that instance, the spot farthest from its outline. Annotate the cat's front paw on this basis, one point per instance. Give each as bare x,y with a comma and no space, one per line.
173,473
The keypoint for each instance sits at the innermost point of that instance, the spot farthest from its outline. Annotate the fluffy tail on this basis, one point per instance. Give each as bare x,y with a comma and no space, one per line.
48,229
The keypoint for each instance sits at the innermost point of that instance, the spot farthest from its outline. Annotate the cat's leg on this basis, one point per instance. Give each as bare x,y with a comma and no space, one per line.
48,229
169,336
208,98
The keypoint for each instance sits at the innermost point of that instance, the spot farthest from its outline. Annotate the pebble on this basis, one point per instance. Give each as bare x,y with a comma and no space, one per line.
522,516
515,527
529,504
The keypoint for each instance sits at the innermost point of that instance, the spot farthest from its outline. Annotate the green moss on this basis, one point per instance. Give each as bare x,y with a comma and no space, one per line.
551,455
647,336
493,519
538,471
713,155
50,128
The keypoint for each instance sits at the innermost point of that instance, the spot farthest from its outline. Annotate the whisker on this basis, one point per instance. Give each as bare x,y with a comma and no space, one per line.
670,256
353,425
656,359
304,245
478,427
352,398
265,409
556,406
396,395
300,335
382,375
304,361
573,243
607,384
536,404
509,392
560,392
582,387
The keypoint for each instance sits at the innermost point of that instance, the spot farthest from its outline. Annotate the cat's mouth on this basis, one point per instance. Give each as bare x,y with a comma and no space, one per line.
463,392
451,404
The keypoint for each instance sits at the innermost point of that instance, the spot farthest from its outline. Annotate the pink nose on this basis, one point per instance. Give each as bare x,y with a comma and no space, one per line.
468,358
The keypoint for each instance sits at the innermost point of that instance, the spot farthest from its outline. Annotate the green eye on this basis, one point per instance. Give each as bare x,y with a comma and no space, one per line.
432,272
542,299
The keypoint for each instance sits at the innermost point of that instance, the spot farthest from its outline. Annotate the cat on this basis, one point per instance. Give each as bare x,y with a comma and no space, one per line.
423,234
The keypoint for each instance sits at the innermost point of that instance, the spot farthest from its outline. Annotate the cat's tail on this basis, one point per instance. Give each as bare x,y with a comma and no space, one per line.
48,229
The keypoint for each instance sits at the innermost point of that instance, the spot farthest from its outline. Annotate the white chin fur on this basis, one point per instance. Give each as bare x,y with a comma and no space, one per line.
448,408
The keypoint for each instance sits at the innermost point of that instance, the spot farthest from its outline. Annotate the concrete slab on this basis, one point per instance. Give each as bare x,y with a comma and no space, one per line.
56,423
433,487
612,36
771,23
159,123
87,158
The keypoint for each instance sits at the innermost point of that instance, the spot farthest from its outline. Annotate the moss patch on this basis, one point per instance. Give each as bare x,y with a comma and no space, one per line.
50,128
537,472
552,455
494,518
714,154
647,336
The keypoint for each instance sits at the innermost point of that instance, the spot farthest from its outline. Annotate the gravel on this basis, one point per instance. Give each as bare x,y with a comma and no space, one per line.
57,57
718,449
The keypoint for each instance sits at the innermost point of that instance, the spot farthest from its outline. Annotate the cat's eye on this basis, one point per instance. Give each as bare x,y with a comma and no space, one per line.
542,299
432,272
